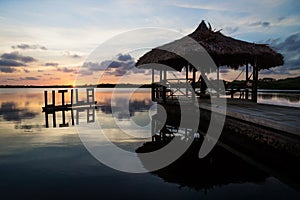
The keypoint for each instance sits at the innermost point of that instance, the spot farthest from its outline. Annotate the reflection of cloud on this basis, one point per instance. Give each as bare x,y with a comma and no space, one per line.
10,112
121,106
28,46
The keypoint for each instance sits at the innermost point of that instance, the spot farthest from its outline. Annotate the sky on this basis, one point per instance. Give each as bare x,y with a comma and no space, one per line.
50,42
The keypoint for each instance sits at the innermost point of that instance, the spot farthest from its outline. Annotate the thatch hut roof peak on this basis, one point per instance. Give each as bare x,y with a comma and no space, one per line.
224,50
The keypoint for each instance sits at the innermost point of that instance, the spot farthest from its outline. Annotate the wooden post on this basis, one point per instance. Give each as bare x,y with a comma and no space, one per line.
46,104
254,84
153,86
247,81
160,75
187,78
193,84
218,83
46,98
72,111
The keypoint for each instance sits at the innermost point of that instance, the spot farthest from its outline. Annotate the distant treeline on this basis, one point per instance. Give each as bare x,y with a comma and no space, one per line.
281,84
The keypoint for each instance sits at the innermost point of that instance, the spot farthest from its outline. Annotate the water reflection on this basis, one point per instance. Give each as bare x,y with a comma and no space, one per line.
282,98
54,159
11,112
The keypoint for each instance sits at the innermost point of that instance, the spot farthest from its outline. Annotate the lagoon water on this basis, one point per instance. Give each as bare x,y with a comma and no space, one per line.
52,163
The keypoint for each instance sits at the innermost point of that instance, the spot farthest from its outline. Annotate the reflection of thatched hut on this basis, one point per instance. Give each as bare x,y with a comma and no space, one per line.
225,51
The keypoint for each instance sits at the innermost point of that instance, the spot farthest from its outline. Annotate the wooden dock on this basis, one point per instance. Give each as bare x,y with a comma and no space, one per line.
280,118
78,106
247,122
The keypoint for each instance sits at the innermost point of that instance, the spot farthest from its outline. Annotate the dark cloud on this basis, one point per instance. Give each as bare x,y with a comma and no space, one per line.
10,63
261,23
124,57
66,70
29,78
51,64
7,69
16,56
28,46
118,67
26,70
290,49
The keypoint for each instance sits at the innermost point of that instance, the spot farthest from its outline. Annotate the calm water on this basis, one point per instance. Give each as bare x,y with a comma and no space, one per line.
38,162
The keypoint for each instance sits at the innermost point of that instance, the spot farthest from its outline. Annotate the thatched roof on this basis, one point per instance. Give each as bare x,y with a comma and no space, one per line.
225,51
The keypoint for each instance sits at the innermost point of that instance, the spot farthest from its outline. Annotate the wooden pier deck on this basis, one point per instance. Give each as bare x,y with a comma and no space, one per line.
280,118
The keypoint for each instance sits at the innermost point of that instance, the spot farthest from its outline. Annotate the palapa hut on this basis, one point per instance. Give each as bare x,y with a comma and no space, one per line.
225,51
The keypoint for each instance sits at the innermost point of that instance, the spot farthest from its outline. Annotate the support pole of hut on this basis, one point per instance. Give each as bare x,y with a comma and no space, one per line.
187,79
164,86
153,86
193,83
254,84
218,82
247,81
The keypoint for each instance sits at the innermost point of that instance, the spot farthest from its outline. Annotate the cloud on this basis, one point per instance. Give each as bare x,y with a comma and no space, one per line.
7,66
28,46
72,55
124,57
123,64
26,70
261,23
16,56
51,64
7,69
66,70
10,63
290,49
29,78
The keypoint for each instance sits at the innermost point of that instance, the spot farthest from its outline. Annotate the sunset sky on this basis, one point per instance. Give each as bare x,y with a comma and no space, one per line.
50,42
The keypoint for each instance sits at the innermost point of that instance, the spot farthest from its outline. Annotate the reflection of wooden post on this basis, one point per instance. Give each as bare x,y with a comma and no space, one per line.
90,95
53,104
63,111
76,96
